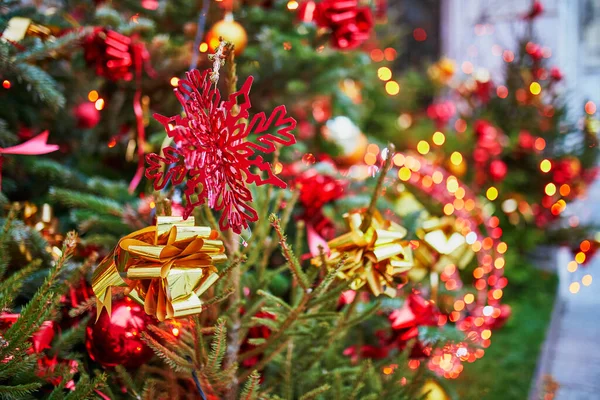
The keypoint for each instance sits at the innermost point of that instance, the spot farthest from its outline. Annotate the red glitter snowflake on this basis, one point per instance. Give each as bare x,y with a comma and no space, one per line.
213,153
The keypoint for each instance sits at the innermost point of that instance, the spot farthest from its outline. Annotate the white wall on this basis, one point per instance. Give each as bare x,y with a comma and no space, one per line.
558,28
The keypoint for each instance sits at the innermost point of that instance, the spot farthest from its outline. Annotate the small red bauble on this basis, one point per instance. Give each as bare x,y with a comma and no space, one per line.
498,170
117,340
86,115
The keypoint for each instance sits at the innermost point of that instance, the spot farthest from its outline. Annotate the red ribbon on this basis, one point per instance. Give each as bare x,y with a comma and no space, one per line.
141,61
35,146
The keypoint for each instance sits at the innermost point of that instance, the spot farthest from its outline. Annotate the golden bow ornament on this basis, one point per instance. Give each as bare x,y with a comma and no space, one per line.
373,257
165,267
441,245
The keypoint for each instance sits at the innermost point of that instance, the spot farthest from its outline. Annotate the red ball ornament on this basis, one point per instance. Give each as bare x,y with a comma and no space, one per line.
87,115
498,170
117,340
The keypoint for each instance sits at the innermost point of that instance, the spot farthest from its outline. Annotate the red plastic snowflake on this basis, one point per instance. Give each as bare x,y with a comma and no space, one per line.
213,153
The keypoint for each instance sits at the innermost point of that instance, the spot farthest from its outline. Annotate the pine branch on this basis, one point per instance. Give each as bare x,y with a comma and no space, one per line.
218,347
289,255
20,363
85,388
368,216
13,284
42,305
219,298
54,172
127,380
315,392
42,84
74,199
274,300
60,45
251,387
173,360
18,392
291,318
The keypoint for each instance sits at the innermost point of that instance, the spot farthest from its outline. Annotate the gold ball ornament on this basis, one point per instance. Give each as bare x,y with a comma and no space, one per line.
459,170
348,137
434,391
229,30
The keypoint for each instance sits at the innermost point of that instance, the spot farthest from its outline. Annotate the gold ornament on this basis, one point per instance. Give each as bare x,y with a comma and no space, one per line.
442,71
19,27
347,136
434,391
230,31
374,257
164,267
441,245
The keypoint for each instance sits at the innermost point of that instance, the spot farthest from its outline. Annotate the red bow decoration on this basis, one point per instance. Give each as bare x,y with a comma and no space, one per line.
218,159
350,24
118,57
41,341
316,190
415,312
35,146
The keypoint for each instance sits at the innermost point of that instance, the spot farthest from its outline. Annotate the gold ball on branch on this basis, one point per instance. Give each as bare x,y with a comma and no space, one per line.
229,30
347,136
434,391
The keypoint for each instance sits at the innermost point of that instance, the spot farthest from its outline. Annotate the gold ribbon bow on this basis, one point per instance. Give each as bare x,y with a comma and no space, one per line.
448,245
374,257
164,267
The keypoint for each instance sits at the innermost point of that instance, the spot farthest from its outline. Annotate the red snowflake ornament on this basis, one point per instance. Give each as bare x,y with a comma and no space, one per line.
213,152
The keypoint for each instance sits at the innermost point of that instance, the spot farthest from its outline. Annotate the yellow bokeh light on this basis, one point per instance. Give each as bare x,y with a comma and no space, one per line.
398,160
469,298
452,184
423,147
99,104
586,280
486,334
174,81
370,159
456,158
502,247
93,96
438,138
580,257
572,266
574,287
384,73
373,148
392,88
491,193
203,47
404,173
535,88
550,189
292,5
545,166
448,209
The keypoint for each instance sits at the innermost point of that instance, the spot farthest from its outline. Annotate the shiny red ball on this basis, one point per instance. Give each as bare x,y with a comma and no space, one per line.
87,115
498,170
117,340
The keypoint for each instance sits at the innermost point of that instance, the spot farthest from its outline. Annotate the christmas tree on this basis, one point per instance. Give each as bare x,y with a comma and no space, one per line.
239,236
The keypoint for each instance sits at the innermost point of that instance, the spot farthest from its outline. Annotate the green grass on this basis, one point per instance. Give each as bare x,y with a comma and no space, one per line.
506,370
